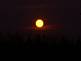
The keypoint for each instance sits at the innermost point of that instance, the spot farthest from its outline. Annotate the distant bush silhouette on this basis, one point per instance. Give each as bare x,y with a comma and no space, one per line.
18,40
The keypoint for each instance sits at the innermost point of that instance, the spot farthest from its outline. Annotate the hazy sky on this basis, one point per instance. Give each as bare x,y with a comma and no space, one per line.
16,14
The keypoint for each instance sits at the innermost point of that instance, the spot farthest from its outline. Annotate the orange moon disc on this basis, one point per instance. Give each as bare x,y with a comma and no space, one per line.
39,23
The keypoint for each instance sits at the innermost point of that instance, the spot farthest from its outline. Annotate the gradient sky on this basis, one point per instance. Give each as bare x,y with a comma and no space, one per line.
15,14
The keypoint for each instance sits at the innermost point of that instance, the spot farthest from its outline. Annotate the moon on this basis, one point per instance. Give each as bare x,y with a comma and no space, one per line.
39,23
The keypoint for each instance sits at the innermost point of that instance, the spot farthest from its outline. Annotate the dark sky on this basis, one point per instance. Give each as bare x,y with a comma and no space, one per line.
16,14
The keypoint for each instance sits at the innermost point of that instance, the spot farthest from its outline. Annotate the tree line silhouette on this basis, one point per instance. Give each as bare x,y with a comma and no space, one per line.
36,41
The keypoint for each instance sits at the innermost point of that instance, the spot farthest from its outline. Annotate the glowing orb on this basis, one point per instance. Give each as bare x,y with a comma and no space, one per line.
39,23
